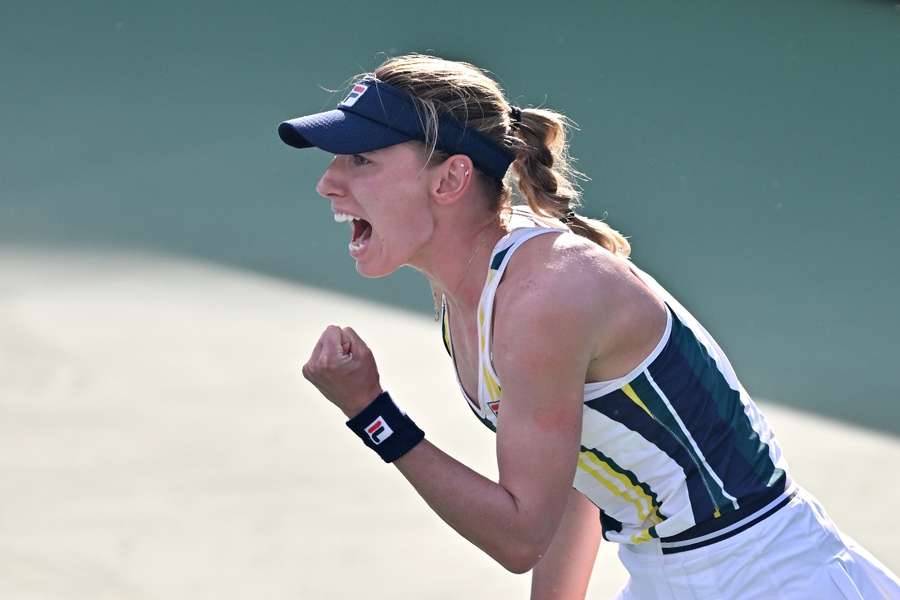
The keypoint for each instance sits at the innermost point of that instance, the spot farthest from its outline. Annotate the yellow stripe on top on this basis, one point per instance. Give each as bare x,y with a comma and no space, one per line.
493,388
481,334
632,395
639,538
642,502
446,327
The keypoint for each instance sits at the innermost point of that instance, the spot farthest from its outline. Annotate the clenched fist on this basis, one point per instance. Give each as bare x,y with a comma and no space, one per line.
343,369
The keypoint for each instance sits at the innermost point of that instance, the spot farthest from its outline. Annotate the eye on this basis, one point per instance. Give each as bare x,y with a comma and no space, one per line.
358,160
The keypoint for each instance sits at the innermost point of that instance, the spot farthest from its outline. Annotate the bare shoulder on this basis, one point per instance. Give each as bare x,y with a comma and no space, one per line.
565,285
566,269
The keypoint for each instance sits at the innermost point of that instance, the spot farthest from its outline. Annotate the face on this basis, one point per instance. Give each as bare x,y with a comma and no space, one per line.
384,196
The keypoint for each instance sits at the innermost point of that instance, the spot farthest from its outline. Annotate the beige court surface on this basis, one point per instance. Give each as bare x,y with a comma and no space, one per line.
158,441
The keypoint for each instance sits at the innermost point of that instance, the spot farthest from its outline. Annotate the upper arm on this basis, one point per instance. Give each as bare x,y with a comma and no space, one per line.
542,345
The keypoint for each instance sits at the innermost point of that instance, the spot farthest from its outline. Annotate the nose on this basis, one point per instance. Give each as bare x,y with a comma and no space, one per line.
329,185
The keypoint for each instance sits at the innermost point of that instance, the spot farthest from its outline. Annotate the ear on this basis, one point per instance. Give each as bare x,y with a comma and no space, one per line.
452,178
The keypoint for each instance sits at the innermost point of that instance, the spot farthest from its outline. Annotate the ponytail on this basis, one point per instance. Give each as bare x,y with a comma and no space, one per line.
542,171
545,178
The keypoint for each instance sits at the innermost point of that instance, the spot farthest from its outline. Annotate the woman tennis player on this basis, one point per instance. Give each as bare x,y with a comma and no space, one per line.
615,411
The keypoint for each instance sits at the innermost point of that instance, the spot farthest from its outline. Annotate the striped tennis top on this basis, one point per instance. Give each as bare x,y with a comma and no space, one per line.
666,449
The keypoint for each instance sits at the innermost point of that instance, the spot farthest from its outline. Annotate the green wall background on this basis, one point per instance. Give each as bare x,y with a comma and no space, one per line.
750,151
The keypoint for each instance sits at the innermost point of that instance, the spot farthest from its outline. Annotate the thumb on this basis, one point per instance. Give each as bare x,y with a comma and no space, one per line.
346,345
355,344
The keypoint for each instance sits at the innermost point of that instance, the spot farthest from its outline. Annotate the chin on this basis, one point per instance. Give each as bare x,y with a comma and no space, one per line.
373,273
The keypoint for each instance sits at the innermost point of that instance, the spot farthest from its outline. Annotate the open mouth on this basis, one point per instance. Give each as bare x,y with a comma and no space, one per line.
361,232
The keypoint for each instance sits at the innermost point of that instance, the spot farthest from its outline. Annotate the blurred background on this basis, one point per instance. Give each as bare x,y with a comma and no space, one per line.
749,150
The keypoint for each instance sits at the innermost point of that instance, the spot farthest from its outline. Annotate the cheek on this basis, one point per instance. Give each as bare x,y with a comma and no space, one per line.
408,231
409,222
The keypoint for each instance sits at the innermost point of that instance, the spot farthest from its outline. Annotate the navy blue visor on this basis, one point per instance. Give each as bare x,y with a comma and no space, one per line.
377,115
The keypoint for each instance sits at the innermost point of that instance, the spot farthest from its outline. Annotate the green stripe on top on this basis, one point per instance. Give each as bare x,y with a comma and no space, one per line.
712,410
498,259
665,418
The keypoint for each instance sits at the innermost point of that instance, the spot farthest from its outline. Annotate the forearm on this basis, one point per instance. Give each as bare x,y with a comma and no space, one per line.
565,570
482,511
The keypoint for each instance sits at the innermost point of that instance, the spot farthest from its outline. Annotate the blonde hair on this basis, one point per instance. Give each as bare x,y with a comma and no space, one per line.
542,172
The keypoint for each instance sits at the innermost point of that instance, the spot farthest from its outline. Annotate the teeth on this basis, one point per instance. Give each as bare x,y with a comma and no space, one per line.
343,217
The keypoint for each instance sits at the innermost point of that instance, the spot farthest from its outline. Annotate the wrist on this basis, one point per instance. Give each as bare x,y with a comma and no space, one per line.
365,400
386,429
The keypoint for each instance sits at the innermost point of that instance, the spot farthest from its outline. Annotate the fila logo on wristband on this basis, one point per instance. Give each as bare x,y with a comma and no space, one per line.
386,429
378,431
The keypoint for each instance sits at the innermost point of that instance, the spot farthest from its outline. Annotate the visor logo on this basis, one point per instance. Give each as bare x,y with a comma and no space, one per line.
379,431
358,90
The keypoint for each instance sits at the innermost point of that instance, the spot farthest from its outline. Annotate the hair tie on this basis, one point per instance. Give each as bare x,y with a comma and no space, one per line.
516,114
569,216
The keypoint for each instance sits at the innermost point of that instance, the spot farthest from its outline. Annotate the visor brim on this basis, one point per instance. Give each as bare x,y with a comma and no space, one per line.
338,132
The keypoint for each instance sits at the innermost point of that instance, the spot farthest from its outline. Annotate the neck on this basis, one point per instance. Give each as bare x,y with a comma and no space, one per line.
459,264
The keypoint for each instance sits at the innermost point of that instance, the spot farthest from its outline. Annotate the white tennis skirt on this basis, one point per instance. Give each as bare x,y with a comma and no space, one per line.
795,553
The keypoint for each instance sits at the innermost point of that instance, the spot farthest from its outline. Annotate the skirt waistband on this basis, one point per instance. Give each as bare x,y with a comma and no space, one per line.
736,522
